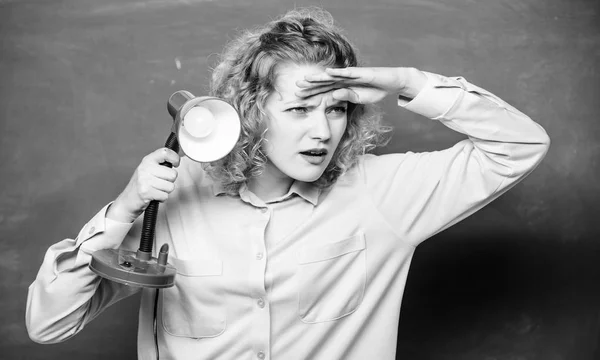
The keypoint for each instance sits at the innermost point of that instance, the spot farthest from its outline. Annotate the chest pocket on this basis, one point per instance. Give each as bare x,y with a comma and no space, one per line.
194,307
331,279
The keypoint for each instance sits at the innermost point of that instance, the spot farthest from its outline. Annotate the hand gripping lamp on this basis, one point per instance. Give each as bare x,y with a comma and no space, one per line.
207,129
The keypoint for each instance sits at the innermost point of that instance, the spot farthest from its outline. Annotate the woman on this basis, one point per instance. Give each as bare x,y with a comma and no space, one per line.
297,244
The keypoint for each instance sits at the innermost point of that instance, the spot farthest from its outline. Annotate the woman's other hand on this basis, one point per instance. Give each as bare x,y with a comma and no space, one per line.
363,85
150,181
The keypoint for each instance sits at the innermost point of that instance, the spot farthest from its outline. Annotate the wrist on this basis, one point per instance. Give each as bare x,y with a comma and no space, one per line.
117,212
412,81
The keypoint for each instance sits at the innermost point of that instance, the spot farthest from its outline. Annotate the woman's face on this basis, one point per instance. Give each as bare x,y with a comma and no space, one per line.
302,133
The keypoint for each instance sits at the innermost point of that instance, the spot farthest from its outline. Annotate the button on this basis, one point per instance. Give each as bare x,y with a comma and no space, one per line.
264,210
260,355
259,256
92,229
260,303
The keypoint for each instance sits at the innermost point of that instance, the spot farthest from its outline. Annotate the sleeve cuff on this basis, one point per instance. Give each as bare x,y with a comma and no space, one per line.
102,233
437,97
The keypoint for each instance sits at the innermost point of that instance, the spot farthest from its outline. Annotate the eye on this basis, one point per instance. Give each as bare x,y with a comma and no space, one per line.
338,110
298,110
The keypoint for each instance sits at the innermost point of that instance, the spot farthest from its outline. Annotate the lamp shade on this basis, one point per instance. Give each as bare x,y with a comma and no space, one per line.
207,127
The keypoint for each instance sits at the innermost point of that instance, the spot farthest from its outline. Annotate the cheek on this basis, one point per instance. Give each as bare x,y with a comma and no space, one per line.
277,141
339,132
284,132
340,129
270,135
272,142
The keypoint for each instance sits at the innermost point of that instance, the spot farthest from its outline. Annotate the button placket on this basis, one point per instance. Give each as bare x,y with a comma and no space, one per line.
261,303
261,316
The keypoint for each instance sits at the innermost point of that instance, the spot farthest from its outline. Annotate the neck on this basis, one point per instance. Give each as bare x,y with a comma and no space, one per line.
269,186
269,190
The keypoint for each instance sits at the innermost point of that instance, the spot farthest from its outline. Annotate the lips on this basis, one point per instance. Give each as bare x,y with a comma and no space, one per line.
314,152
314,156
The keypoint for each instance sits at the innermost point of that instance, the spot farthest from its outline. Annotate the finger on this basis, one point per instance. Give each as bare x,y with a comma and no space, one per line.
346,94
349,72
165,155
158,195
316,90
340,81
164,173
163,185
154,190
308,84
324,78
319,77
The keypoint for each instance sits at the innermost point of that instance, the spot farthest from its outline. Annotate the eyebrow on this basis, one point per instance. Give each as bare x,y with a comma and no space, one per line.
303,102
296,102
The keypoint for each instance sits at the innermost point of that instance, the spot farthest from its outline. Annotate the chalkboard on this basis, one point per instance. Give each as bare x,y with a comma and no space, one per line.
83,98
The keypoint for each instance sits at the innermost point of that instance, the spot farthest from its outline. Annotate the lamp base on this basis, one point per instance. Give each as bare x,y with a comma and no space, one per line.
126,268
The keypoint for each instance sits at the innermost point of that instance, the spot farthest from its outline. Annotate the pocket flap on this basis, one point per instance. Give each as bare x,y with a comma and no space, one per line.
198,266
321,252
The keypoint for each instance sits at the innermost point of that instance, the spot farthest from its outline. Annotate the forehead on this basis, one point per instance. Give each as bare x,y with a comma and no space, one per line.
288,74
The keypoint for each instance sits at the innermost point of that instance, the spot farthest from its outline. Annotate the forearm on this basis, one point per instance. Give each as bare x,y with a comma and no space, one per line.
508,140
411,82
440,188
118,212
66,294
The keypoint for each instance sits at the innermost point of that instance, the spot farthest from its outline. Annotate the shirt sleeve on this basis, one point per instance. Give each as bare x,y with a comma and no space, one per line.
66,294
421,194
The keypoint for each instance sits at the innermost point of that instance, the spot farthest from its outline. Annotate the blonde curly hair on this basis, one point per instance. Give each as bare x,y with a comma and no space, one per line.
245,76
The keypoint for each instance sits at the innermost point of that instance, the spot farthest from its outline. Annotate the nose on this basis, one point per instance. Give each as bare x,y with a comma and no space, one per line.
319,127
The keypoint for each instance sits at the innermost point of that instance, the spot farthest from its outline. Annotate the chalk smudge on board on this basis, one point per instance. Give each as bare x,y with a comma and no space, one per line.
119,7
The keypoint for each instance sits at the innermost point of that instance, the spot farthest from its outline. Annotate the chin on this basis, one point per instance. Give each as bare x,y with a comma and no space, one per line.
309,179
307,176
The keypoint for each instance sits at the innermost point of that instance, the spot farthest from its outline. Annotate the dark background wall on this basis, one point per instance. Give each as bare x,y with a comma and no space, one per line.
83,87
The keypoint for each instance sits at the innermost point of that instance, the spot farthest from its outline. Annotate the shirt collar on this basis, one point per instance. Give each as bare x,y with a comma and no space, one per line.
308,191
218,188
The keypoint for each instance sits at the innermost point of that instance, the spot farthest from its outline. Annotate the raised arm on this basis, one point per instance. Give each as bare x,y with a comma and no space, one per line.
420,194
